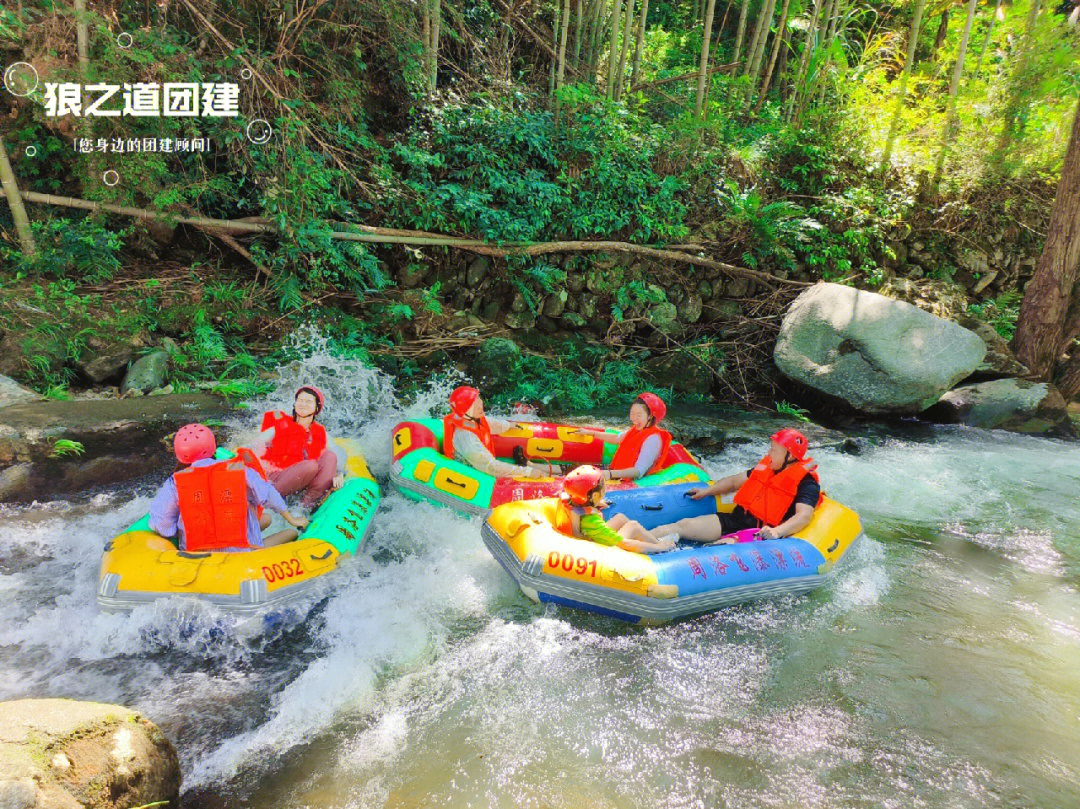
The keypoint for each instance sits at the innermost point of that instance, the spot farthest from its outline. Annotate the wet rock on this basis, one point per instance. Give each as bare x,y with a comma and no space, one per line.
876,354
410,275
555,303
58,753
721,311
11,392
521,320
575,282
146,373
477,272
689,311
518,303
999,360
1005,404
573,320
106,366
588,307
664,316
121,439
738,287
489,311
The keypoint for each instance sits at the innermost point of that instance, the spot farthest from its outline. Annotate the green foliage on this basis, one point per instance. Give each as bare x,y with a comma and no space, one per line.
793,411
84,249
1000,312
769,229
63,447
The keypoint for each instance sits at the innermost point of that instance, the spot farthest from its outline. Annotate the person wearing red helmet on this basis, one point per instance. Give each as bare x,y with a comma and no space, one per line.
644,446
467,437
580,515
213,505
778,495
296,455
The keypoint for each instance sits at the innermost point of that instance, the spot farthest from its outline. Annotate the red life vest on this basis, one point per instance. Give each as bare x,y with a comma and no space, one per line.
629,449
769,495
564,521
481,429
213,505
291,443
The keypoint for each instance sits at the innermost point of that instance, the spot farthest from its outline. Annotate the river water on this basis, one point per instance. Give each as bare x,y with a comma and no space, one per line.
940,668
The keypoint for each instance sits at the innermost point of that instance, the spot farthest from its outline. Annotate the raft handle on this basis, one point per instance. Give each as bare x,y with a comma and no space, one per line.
324,557
189,555
833,547
656,507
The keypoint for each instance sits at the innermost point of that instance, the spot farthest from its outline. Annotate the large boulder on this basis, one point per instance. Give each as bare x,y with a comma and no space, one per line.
11,392
146,373
1005,404
876,354
63,754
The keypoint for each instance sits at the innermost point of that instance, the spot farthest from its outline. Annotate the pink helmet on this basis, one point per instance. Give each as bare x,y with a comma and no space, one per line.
791,440
462,399
320,400
194,442
579,485
656,406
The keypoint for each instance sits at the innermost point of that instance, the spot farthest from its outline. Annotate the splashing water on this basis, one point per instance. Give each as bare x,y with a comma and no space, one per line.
939,668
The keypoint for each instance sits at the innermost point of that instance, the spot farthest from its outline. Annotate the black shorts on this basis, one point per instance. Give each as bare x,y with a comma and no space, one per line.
737,520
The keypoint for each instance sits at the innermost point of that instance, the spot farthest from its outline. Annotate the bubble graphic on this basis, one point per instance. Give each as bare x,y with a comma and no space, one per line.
245,74
20,79
31,151
259,131
110,174
124,40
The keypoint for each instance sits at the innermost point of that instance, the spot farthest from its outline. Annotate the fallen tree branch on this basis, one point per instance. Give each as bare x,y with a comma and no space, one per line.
649,85
377,235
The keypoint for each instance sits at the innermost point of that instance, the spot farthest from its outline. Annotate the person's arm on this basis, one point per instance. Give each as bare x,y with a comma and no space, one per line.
266,495
593,528
165,510
797,522
602,435
470,450
723,486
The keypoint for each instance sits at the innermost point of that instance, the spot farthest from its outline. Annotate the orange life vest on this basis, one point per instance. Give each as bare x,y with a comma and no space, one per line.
291,443
769,495
564,521
214,506
481,429
629,449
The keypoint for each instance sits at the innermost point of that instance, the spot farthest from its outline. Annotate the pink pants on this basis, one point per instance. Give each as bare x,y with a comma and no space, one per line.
314,476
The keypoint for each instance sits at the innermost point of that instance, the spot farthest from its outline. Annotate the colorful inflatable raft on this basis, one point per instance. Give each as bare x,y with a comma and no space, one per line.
140,566
422,472
552,567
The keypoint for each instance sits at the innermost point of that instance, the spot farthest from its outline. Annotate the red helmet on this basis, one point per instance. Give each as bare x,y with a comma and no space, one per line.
320,400
194,442
791,440
462,399
579,485
655,404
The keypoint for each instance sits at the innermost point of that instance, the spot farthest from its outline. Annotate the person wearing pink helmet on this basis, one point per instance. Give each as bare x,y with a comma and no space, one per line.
185,507
643,447
778,495
467,437
296,455
580,514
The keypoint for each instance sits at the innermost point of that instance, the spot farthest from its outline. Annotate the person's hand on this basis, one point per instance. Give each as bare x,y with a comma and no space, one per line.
605,474
696,494
299,523
769,533
339,481
536,472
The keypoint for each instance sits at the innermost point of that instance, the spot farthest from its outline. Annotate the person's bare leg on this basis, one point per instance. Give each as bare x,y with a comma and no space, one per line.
280,538
264,521
632,529
617,522
706,528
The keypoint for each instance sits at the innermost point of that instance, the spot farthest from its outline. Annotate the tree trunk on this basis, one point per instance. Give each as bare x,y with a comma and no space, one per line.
628,27
703,75
778,42
426,59
761,31
436,31
1015,102
18,211
613,49
1041,329
901,95
82,38
986,42
741,32
804,61
578,30
948,132
562,59
640,42
757,53
554,54
942,31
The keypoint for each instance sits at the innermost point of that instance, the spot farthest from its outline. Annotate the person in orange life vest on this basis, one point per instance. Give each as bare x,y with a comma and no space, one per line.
644,446
467,437
194,445
296,455
580,515
778,495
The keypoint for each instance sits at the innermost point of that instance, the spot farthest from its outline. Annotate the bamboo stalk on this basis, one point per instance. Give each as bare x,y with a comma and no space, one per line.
778,41
913,41
562,59
377,235
703,75
625,49
82,38
804,61
613,55
948,131
436,31
18,210
640,41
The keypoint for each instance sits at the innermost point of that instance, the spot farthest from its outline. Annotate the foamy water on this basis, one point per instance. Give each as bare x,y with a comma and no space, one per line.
939,668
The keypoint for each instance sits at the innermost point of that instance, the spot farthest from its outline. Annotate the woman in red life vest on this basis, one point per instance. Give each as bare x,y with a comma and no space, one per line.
642,448
467,437
778,495
296,456
213,505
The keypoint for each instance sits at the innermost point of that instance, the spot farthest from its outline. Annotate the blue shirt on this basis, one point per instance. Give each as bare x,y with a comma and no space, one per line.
165,507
